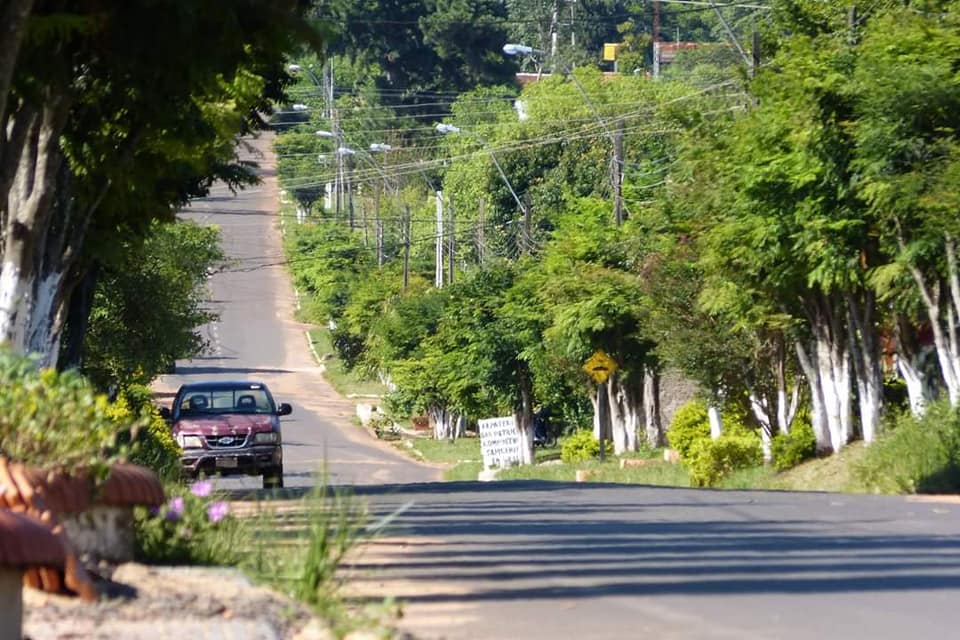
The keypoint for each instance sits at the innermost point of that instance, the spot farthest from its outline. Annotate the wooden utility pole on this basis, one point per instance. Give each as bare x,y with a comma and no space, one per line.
406,248
451,242
617,174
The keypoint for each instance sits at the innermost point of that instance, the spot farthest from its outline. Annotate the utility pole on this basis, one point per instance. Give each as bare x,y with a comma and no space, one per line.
481,242
656,24
379,242
852,24
363,222
350,190
406,248
451,243
438,275
338,179
573,22
527,226
617,174
554,27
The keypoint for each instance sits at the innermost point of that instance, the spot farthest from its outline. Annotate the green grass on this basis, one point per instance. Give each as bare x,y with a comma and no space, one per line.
344,381
465,463
833,474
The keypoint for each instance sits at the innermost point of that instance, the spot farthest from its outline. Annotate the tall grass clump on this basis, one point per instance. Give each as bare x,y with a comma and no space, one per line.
915,455
298,549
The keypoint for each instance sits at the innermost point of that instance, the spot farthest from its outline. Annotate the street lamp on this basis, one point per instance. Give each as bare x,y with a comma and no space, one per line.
517,49
449,128
616,137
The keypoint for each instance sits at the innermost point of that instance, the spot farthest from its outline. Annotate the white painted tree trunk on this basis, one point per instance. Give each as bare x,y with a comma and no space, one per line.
624,414
652,425
919,389
441,420
716,421
864,349
41,231
818,411
834,377
523,414
943,316
758,405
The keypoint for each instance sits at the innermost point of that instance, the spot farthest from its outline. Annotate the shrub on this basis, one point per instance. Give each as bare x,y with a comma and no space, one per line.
916,455
791,449
194,527
690,425
151,443
710,460
581,446
54,420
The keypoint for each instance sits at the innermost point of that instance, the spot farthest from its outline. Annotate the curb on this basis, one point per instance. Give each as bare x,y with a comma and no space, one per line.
313,351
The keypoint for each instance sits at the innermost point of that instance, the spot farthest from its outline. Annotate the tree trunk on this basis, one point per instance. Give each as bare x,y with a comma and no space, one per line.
523,414
942,322
827,366
624,414
818,412
440,418
761,411
78,317
13,25
40,236
865,354
652,425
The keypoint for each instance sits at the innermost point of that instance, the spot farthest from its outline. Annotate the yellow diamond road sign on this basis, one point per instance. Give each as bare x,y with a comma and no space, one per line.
600,366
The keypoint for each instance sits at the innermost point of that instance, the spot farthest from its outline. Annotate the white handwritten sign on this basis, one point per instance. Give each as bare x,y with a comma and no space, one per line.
500,442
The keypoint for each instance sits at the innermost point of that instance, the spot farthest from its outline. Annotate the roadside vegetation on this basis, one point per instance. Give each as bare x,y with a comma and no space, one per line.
768,235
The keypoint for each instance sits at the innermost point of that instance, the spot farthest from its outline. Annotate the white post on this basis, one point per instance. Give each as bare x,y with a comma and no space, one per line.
438,280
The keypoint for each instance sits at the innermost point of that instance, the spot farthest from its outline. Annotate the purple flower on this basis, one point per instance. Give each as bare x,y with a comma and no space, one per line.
201,489
154,510
175,509
217,511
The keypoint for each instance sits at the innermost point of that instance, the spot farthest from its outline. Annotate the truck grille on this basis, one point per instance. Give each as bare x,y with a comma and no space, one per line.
226,441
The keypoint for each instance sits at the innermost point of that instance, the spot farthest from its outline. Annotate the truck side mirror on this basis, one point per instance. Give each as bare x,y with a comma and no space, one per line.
284,409
165,414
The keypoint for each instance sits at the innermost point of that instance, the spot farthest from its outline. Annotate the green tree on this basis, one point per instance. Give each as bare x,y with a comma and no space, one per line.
148,308
113,120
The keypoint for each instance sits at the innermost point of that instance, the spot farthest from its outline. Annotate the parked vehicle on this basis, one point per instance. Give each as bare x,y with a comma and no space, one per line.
229,428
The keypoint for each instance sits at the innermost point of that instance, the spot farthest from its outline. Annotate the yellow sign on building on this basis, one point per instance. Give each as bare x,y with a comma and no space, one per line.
600,366
610,51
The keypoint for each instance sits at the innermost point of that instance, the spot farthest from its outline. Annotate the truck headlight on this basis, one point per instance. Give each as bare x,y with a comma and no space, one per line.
266,437
189,442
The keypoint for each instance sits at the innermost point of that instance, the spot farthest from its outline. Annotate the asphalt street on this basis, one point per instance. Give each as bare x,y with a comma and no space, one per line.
554,560
257,338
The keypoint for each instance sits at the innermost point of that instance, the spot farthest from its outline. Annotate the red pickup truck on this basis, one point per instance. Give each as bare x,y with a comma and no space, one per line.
229,428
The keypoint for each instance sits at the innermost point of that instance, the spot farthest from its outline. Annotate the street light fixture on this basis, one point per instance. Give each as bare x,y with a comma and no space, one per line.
512,49
616,138
449,128
299,106
380,147
324,134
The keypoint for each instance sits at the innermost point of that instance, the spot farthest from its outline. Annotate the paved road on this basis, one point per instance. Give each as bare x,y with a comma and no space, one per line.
256,338
538,560
549,560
